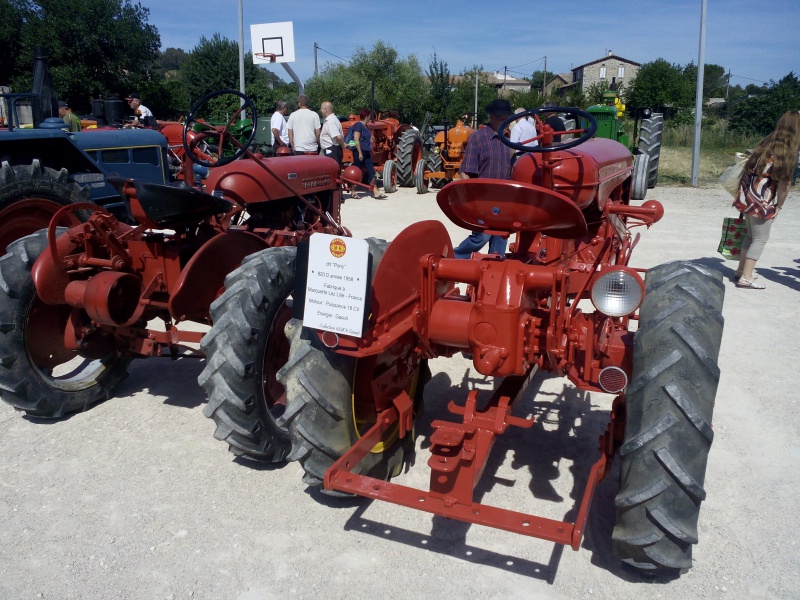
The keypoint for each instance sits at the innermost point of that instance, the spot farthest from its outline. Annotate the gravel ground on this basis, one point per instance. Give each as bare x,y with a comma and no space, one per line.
136,499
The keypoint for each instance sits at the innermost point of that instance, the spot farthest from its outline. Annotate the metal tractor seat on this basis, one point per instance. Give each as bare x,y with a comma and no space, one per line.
168,205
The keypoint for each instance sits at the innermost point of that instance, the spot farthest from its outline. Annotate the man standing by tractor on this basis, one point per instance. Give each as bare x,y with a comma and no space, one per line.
487,157
69,117
524,130
304,128
280,131
331,138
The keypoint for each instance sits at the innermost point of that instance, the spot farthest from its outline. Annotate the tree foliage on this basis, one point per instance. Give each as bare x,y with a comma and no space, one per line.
463,98
439,90
759,113
95,46
659,84
398,83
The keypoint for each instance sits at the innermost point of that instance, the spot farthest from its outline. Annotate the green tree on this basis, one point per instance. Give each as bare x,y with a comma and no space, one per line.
95,46
537,79
660,84
463,99
440,89
13,14
759,113
594,95
398,83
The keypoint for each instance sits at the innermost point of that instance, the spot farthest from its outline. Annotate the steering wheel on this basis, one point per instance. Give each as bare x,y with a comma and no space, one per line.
219,134
546,132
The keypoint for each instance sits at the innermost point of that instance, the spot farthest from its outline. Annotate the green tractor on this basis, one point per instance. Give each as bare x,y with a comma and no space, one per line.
645,150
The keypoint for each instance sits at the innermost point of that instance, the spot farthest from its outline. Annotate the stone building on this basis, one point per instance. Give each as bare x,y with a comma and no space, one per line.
603,70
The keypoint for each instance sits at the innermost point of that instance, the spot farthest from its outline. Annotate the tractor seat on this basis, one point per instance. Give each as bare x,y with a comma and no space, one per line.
168,205
512,206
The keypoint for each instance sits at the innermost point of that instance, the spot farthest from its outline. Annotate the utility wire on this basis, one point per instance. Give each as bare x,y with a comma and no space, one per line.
332,54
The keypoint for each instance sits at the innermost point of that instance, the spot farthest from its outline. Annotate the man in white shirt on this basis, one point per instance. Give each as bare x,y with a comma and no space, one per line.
304,128
331,139
523,130
280,131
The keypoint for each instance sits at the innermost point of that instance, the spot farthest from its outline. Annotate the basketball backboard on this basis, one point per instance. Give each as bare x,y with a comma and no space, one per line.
273,38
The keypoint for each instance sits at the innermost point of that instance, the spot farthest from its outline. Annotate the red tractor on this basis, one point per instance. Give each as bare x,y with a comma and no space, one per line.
78,304
563,300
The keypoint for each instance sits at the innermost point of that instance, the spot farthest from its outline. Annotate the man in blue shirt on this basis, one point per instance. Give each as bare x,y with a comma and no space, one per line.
487,157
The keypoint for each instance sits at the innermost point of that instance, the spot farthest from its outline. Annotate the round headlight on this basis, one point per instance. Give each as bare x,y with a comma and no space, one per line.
618,292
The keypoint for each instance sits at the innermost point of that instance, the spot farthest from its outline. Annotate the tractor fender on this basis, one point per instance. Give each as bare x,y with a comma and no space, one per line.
202,280
50,278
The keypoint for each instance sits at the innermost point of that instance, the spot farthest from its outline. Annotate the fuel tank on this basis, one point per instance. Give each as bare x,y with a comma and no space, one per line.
249,181
585,174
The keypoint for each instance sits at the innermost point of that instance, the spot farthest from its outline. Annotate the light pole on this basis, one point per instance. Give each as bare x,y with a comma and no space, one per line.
698,104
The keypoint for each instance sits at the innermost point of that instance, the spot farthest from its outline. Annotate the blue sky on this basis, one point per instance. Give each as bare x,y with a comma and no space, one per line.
757,41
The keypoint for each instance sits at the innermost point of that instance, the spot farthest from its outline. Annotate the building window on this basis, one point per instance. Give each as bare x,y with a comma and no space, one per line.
602,72
621,72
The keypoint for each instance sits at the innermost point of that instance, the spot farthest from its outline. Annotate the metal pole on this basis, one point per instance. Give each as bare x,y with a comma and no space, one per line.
315,59
544,77
727,109
505,76
241,57
475,118
698,104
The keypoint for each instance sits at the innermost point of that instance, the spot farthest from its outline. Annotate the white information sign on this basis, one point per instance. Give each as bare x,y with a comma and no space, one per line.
336,287
273,38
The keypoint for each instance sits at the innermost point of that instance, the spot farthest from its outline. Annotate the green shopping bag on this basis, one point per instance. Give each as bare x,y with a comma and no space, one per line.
734,230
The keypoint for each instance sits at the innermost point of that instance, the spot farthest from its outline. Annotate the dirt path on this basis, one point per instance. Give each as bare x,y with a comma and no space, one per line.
135,499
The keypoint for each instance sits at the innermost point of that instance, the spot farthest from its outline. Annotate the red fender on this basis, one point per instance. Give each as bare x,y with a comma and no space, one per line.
203,277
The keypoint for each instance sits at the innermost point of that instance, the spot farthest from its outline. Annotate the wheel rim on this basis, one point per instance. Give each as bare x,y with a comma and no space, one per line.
364,404
275,356
62,369
27,217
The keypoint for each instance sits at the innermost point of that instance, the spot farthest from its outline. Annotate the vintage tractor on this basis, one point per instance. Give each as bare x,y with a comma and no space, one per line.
395,152
79,304
563,300
444,161
647,125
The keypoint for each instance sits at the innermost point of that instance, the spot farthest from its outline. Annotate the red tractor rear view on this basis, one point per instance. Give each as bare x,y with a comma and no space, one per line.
563,300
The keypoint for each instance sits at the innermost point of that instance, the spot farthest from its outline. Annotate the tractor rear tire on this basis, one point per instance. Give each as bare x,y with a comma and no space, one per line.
650,136
641,169
436,163
320,404
409,152
29,197
244,350
669,408
37,375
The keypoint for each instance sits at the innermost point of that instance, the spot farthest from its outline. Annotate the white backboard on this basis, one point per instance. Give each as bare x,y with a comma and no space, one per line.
273,38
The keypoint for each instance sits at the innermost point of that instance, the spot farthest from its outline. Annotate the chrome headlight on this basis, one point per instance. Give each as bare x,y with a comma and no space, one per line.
618,291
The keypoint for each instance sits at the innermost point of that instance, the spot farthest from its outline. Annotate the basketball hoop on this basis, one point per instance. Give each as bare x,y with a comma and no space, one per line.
266,56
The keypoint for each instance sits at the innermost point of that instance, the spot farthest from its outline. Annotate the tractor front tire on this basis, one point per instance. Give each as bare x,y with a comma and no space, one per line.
244,350
29,197
409,152
320,410
436,163
641,169
650,136
37,374
669,407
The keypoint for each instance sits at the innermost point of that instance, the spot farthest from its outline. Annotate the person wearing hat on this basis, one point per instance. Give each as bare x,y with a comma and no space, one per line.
142,116
69,117
487,157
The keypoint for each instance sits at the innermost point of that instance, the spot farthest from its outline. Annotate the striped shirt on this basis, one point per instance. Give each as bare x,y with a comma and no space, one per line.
486,156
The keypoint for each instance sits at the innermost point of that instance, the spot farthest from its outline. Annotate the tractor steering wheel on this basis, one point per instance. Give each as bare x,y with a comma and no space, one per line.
546,132
220,135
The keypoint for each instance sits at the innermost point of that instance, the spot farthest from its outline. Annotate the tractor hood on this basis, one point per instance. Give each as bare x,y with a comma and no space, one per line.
260,180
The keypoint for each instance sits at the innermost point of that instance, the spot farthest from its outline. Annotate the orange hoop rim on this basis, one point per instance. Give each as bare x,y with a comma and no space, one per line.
266,55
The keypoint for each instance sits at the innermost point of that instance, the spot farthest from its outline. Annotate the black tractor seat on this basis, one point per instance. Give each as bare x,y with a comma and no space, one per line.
176,204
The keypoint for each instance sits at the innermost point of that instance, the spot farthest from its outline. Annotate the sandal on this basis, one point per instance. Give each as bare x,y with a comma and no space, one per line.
381,197
355,196
737,275
747,283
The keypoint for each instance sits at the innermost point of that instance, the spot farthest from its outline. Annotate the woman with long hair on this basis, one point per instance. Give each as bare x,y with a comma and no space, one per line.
762,192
